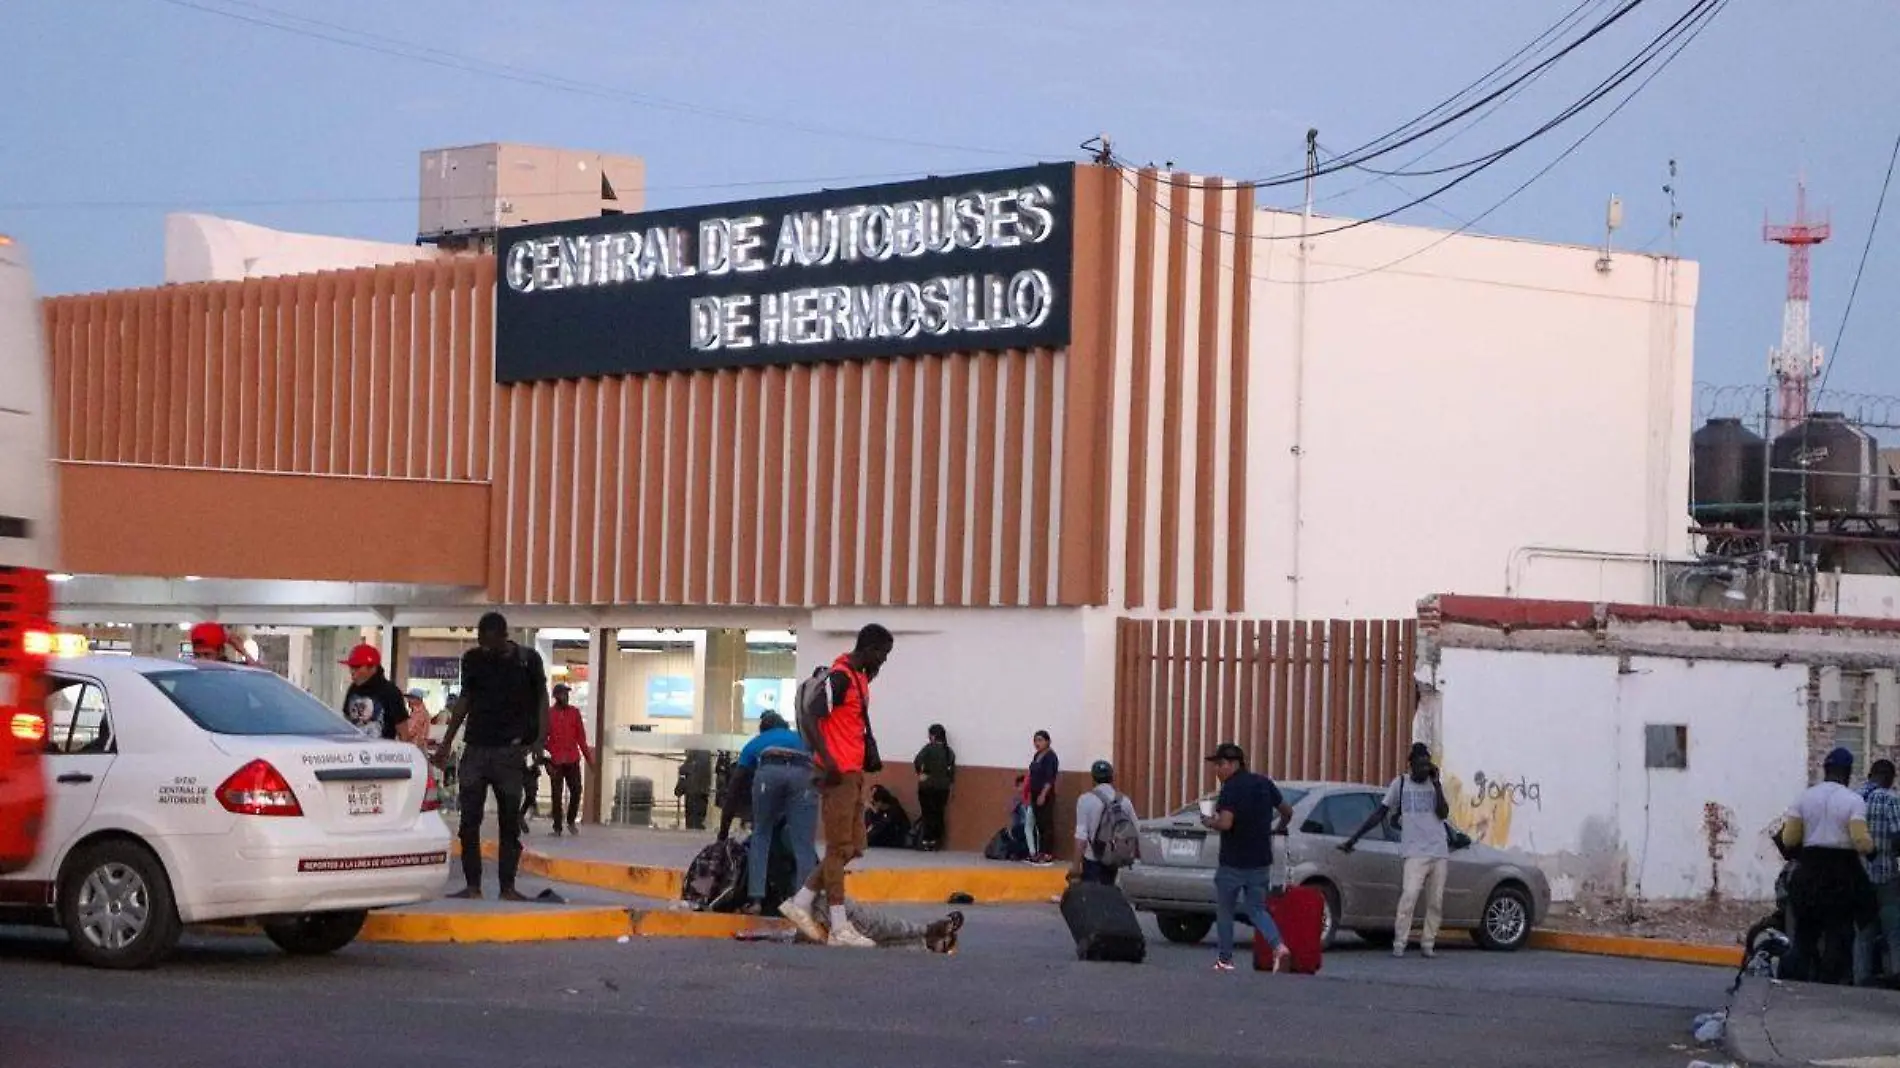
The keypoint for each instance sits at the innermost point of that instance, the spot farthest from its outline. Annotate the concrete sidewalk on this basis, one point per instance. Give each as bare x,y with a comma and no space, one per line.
1771,1025
652,863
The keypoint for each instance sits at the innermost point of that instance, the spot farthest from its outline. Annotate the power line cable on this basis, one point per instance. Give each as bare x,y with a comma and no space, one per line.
381,44
1704,12
1526,184
1834,354
1373,149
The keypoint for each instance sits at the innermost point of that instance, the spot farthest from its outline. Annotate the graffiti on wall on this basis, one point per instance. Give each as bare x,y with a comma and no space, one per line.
1483,807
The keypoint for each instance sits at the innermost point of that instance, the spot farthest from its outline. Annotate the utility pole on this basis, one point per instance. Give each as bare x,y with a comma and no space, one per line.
1299,371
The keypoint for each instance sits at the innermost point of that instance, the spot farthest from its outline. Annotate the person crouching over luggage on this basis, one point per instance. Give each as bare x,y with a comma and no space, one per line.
1243,814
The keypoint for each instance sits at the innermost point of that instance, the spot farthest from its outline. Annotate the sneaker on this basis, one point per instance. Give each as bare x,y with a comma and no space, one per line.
1282,960
1398,951
557,830
941,937
573,831
802,919
1222,964
1426,952
848,935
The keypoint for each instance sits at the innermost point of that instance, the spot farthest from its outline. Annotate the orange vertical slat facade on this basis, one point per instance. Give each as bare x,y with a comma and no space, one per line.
877,464
1011,503
1173,389
1207,386
1042,475
460,404
903,477
726,471
654,466
1241,354
824,498
956,532
745,588
323,376
798,386
679,444
930,500
773,543
849,533
983,507
481,450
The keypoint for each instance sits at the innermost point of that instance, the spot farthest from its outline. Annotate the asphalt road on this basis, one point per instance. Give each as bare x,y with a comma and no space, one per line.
1014,996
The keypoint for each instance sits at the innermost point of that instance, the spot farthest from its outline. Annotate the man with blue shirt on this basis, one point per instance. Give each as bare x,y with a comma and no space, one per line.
783,793
1244,816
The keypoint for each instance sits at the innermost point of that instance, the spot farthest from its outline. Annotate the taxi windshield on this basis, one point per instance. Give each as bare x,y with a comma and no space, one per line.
247,703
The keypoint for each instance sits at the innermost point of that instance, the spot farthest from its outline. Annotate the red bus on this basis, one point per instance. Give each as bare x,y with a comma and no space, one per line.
28,546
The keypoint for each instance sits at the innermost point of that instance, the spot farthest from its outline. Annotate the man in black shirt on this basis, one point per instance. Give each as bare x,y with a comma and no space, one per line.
373,704
1244,815
505,701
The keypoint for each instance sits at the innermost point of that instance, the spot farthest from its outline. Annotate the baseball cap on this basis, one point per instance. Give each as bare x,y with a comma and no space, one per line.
364,655
1102,771
1839,758
562,687
418,693
1228,751
208,634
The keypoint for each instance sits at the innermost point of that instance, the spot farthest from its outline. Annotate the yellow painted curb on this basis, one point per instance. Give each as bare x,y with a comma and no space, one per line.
933,886
1638,948
701,924
889,886
514,926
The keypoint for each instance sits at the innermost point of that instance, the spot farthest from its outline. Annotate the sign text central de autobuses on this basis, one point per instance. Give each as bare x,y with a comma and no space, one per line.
929,231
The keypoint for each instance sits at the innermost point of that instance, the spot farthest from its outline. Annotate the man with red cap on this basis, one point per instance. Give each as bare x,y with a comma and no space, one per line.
210,641
373,704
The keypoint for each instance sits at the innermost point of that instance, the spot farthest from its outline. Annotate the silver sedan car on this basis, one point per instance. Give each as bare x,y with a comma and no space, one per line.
1496,895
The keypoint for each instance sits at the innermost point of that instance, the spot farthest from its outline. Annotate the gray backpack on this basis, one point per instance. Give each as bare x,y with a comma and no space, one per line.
1117,840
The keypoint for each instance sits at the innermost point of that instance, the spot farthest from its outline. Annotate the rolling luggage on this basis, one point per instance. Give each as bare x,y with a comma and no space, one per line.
1300,914
1103,924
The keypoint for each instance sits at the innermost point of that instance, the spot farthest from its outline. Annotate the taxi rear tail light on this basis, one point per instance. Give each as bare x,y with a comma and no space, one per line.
431,796
257,789
29,727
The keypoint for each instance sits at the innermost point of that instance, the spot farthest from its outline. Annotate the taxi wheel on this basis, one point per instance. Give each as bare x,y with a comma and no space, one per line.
116,905
316,933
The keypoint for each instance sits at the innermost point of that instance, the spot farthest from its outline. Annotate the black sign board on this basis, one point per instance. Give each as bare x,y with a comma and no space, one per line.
980,261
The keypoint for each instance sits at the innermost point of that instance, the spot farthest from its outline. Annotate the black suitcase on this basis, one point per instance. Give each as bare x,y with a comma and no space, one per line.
1103,924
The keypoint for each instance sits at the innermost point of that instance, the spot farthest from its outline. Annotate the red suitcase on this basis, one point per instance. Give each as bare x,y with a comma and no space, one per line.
1300,914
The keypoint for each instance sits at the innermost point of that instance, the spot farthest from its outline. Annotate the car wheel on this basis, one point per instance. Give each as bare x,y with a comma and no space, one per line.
1183,927
116,905
1506,922
1380,939
317,933
1329,920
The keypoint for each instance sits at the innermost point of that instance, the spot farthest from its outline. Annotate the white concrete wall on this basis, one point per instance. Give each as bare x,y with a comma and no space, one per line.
1545,753
991,677
205,248
1863,596
1460,407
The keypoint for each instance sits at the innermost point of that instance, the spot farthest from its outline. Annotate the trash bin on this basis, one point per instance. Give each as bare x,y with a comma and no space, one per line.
633,801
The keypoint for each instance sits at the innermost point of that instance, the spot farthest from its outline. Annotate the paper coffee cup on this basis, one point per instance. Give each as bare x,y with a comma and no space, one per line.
1207,808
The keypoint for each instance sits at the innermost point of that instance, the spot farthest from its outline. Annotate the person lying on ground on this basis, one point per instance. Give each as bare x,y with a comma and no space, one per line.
894,932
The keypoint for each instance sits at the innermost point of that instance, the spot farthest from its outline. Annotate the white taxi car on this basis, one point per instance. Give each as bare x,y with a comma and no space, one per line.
191,791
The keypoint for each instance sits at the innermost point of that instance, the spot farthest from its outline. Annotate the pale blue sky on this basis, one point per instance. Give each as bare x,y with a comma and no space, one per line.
143,105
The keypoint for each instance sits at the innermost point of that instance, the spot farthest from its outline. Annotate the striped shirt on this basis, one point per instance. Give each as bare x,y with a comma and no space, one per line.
1883,822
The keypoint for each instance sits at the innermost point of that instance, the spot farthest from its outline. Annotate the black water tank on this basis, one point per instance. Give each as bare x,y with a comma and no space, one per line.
1836,454
1727,460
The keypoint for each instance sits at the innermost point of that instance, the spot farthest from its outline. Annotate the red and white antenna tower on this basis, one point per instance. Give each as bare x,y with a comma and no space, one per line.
1797,360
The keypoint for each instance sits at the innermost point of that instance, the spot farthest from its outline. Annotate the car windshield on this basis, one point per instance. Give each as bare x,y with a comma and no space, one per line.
247,703
1291,794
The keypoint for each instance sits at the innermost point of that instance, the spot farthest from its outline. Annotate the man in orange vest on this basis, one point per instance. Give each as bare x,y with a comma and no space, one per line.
839,754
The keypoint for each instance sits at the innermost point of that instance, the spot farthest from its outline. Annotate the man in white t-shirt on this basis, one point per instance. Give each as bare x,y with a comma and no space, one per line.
1091,826
1828,894
1419,800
